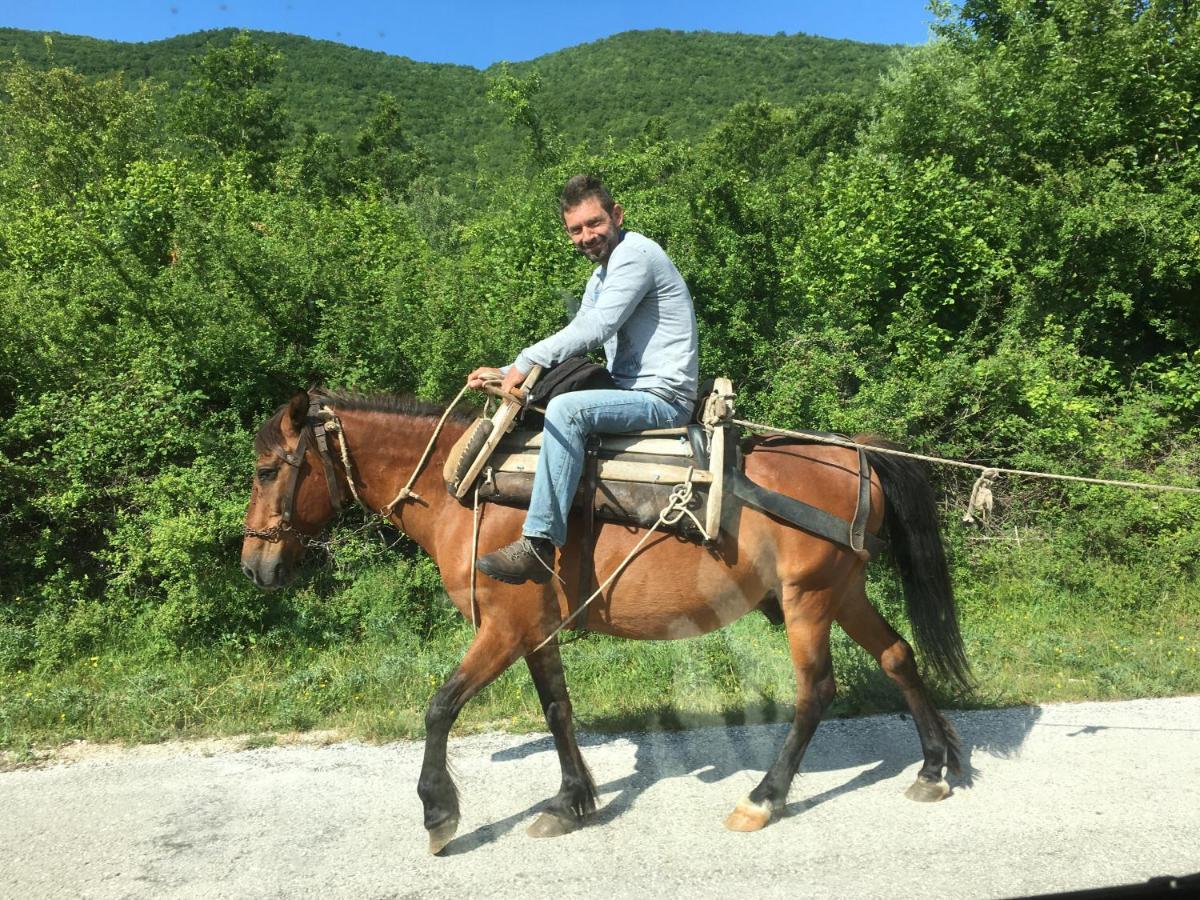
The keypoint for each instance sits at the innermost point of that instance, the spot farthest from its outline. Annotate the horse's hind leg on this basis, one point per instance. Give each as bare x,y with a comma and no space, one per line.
576,797
939,743
488,656
808,639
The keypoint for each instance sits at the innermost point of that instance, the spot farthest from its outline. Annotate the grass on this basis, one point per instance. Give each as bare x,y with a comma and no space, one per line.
379,690
1038,626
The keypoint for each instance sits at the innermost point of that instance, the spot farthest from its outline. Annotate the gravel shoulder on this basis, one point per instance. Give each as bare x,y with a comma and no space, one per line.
1060,797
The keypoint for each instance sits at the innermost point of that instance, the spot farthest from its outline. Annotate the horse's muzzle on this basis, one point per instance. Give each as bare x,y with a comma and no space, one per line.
267,572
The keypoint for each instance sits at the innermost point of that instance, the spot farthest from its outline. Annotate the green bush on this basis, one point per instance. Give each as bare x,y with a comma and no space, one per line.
995,259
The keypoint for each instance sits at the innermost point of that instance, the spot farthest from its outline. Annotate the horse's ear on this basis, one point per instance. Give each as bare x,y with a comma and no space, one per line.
298,410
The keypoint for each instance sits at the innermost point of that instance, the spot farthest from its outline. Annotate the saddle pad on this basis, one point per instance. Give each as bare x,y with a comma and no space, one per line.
464,451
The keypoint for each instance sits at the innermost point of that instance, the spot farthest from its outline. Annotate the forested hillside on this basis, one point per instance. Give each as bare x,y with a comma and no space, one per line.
993,255
606,89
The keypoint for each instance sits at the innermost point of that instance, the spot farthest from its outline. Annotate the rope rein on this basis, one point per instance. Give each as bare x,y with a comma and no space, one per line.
475,520
676,506
406,492
334,424
981,493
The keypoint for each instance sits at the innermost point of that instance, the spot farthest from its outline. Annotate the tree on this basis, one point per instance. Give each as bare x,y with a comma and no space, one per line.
516,96
60,131
384,156
227,107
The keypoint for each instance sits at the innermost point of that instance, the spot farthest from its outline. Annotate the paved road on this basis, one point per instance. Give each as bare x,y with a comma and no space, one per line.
1064,796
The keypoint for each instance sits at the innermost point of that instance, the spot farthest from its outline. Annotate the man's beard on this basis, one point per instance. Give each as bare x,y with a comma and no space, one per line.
602,250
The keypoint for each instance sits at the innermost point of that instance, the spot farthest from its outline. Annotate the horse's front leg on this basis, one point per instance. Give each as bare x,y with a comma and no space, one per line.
576,797
488,656
808,639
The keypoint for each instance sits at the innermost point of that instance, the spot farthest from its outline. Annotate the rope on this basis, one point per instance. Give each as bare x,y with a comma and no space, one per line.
680,495
844,442
334,424
406,492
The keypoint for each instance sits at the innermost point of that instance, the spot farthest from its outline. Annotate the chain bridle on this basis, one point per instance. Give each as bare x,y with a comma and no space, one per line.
314,432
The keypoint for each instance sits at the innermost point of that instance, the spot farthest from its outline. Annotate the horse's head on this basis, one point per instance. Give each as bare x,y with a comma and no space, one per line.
290,501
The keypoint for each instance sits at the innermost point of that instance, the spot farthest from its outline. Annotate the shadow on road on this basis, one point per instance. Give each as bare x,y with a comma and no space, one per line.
888,744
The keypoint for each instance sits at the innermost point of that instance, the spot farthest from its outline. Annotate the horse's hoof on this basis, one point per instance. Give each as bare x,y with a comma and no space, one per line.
549,825
441,835
928,791
749,816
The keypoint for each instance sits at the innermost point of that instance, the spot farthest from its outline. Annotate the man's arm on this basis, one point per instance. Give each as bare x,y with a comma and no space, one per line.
628,279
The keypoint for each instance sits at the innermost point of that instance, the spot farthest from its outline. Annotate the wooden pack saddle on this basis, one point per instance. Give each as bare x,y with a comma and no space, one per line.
631,478
626,478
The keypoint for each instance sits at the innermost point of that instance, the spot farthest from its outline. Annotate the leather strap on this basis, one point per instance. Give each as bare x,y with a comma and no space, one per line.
862,508
587,546
697,435
802,515
294,461
318,429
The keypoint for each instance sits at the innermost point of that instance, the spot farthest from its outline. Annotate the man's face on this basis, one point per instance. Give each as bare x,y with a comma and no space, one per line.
594,232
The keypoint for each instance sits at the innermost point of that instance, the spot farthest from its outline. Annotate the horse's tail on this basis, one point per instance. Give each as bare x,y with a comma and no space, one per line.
915,542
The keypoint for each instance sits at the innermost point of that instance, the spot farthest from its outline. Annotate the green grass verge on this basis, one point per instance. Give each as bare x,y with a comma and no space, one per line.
1022,652
1042,621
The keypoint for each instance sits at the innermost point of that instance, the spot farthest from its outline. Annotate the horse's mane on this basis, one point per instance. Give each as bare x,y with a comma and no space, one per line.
271,434
395,404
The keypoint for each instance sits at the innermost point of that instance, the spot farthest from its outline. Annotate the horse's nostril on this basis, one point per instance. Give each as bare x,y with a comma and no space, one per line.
252,573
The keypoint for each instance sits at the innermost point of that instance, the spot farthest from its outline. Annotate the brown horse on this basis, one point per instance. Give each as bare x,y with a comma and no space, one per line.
759,563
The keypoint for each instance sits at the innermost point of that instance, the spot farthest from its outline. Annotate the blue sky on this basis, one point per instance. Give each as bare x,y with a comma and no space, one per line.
467,31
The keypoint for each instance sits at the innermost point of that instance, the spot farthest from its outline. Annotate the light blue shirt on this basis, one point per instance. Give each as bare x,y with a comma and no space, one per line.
638,308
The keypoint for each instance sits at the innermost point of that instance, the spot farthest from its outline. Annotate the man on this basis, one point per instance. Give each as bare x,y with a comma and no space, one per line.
638,308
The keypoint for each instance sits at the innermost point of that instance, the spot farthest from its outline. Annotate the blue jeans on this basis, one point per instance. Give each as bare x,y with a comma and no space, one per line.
570,418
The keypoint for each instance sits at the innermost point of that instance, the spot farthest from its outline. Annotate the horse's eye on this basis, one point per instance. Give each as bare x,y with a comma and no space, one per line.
266,473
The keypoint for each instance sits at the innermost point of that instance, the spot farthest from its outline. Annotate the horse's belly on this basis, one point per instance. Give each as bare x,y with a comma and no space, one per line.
669,612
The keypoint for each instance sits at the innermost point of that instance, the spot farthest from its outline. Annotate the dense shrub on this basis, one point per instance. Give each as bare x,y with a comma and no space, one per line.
997,261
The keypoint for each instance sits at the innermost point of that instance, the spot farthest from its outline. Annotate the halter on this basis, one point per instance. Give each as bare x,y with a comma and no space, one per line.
318,426
314,431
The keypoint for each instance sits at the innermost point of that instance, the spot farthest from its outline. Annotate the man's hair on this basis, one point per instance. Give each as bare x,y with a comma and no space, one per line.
578,189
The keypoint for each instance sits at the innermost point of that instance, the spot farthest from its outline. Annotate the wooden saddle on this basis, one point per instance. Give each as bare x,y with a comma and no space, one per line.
627,477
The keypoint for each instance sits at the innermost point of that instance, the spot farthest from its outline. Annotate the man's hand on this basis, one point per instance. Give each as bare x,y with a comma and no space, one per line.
483,374
512,380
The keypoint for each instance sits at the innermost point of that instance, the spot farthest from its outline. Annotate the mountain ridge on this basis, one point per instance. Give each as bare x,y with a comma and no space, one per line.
594,91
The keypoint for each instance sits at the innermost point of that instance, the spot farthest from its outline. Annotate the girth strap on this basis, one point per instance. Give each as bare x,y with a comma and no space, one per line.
804,515
587,545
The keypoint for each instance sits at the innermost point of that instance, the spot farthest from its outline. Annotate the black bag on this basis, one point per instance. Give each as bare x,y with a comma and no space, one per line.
575,374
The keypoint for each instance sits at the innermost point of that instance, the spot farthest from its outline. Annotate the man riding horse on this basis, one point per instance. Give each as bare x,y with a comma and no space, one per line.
637,306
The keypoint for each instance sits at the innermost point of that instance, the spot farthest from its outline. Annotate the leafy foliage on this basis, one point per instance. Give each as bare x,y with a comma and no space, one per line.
594,91
995,257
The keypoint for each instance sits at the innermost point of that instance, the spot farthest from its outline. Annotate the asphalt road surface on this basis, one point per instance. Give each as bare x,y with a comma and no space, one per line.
1062,797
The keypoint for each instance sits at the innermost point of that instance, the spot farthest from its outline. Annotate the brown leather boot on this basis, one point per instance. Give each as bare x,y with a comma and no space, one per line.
527,559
